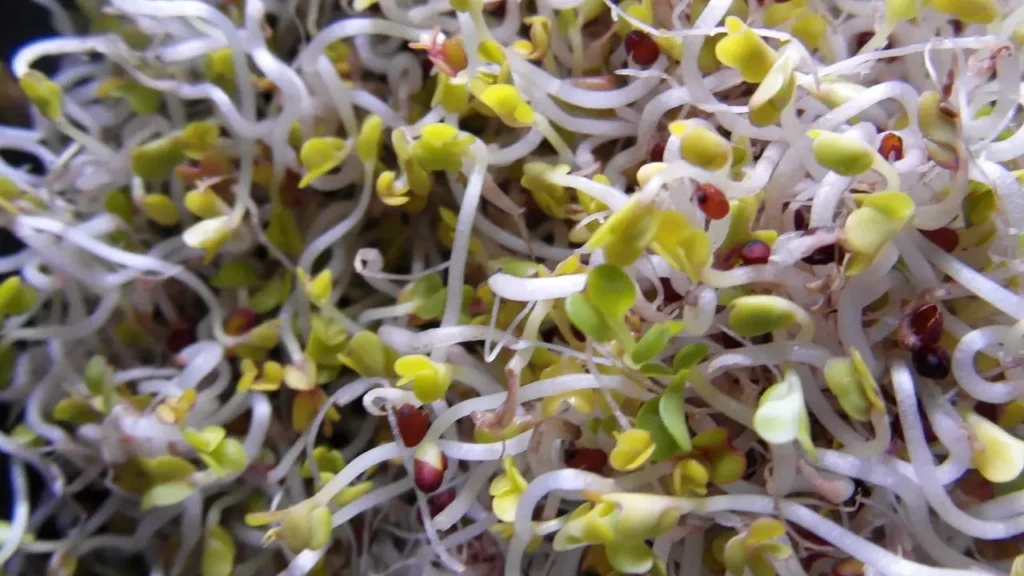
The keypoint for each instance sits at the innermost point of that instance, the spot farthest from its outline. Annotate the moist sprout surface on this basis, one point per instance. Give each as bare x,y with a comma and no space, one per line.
533,287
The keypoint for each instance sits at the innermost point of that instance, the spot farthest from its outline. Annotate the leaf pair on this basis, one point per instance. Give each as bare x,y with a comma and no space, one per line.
506,489
781,414
754,548
430,380
1000,456
664,418
871,227
853,385
441,148
220,453
713,460
16,298
368,356
600,310
304,526
621,522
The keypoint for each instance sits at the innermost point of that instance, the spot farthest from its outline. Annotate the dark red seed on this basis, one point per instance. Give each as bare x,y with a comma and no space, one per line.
496,8
891,147
861,39
179,338
641,48
589,459
987,410
755,252
800,218
974,485
291,194
945,238
658,151
807,535
438,502
728,342
712,201
930,362
671,296
926,324
727,259
412,424
429,465
240,321
824,255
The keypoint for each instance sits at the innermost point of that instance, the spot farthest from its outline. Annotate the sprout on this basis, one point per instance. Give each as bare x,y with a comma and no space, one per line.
745,51
440,148
549,196
972,12
756,315
775,91
625,235
540,38
221,454
700,146
755,547
205,203
166,494
218,552
781,415
853,385
999,457
869,228
841,154
16,298
632,449
506,489
506,102
156,159
430,380
43,93
209,235
648,418
550,251
429,467
321,155
317,289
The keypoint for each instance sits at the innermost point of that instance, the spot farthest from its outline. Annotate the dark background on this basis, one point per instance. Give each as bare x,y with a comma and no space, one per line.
22,20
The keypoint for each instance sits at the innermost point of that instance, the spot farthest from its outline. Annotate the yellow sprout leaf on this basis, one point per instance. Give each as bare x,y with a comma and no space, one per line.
869,228
506,490
209,234
44,94
205,203
701,146
508,104
843,155
1001,457
160,209
743,50
632,449
317,289
321,155
969,11
369,139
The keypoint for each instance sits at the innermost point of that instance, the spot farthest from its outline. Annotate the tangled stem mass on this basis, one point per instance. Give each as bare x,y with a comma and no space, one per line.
540,287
